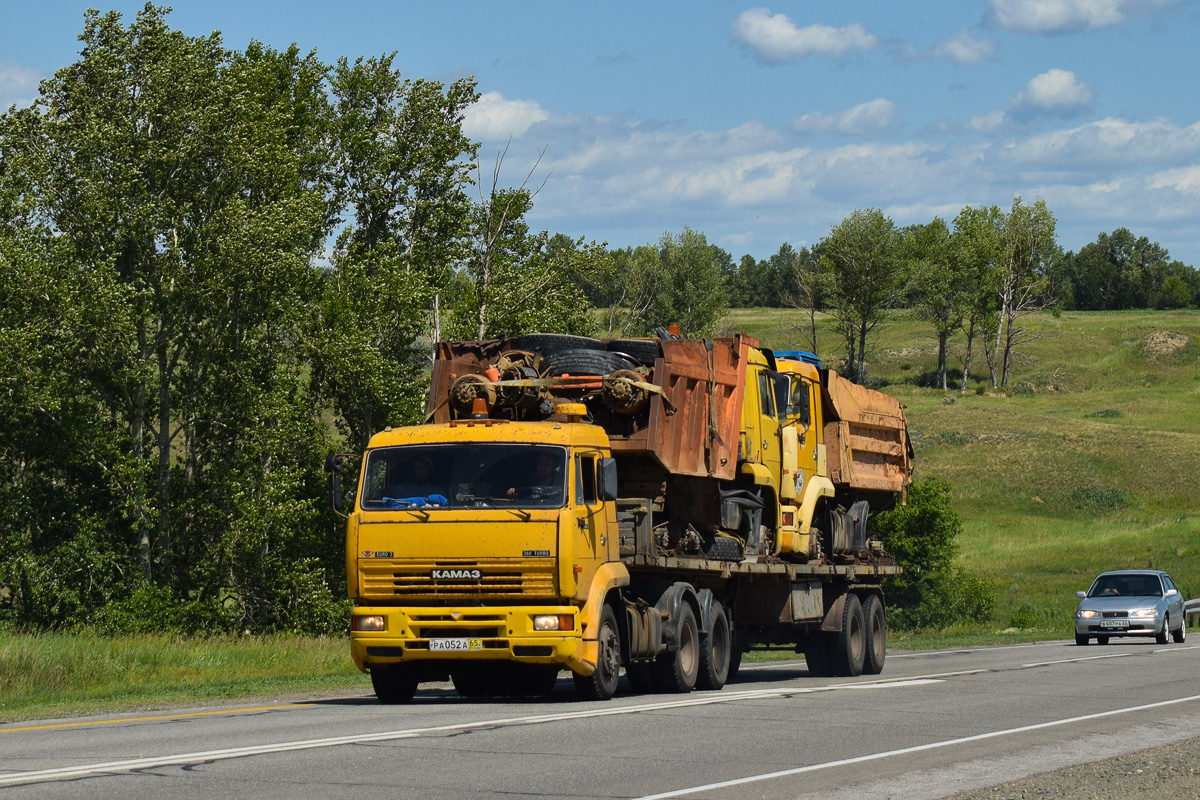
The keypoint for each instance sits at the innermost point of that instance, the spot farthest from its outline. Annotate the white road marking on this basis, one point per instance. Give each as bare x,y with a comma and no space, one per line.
906,750
1073,660
150,762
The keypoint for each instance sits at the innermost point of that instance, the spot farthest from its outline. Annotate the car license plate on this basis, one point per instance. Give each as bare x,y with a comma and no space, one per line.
455,644
1114,623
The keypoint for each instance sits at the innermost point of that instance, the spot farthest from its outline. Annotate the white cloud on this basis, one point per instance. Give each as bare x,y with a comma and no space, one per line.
962,48
774,38
1064,16
1109,142
16,83
1057,92
986,123
492,117
1185,180
863,118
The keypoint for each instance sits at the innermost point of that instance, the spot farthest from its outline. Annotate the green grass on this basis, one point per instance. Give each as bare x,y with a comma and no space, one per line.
58,675
1092,463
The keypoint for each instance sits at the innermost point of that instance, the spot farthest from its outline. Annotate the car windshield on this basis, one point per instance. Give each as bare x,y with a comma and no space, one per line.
1126,586
465,476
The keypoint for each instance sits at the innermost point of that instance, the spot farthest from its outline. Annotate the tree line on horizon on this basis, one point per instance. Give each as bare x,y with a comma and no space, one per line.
217,265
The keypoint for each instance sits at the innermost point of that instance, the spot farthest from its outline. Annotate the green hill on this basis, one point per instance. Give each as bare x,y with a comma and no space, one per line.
1090,461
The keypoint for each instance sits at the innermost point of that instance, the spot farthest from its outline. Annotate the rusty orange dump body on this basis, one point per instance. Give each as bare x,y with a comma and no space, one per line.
689,426
866,436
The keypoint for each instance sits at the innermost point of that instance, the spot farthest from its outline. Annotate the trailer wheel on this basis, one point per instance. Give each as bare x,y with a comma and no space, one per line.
602,684
548,343
735,658
580,361
715,651
850,645
679,670
876,635
394,684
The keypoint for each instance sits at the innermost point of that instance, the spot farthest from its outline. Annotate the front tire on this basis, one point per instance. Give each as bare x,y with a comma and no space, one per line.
1081,639
715,651
1161,637
602,684
393,685
1180,635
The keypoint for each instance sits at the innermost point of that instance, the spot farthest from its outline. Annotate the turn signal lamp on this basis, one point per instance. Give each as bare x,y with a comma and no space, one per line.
367,623
554,622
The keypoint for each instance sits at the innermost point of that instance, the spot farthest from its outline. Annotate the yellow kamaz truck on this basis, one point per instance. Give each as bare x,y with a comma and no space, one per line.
658,506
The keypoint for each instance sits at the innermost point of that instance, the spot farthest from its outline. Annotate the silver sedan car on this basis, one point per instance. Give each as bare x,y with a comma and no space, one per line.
1130,602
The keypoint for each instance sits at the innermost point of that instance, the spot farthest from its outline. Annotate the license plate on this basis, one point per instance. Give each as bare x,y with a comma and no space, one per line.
1114,623
455,644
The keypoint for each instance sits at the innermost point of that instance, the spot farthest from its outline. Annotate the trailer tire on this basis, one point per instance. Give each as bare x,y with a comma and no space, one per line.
735,658
602,684
643,351
716,651
679,670
584,362
850,644
876,628
394,685
549,343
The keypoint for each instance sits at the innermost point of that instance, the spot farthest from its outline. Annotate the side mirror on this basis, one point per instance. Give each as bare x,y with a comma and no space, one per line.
608,479
1081,595
1171,593
333,465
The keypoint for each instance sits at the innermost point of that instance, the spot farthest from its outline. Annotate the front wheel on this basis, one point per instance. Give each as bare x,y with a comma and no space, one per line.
394,684
1161,637
1180,634
1081,640
715,651
602,684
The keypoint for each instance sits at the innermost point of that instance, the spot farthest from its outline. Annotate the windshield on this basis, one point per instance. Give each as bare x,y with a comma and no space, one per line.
1126,586
465,476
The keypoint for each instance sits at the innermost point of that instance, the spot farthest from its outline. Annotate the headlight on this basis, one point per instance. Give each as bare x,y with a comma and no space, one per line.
1085,613
1144,612
366,623
554,622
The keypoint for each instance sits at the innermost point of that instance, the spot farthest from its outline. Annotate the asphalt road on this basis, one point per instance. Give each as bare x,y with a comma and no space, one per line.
933,725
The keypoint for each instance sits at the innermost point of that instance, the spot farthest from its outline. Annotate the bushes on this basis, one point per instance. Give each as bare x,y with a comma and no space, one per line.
923,536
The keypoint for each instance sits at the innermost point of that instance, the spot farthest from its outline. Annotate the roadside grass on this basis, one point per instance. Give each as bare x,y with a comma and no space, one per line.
54,675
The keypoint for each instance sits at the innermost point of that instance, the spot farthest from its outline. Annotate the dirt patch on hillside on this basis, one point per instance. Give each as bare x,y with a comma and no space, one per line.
1161,344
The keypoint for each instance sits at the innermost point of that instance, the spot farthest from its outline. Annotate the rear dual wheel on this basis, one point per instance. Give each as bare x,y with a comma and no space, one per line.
716,649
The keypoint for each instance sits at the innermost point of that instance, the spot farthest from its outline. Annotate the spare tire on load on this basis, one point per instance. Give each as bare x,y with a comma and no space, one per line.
550,343
643,351
584,362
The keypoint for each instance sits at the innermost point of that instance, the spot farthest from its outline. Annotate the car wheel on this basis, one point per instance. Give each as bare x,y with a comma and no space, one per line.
1081,640
1101,640
1180,634
1161,637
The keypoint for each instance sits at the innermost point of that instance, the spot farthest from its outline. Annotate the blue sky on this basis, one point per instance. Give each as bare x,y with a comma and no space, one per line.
760,125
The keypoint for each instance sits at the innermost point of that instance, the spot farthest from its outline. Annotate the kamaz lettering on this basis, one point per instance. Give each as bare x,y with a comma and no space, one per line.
473,574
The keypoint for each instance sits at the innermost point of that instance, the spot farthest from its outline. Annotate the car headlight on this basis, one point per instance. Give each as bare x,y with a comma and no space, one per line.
1085,613
1143,612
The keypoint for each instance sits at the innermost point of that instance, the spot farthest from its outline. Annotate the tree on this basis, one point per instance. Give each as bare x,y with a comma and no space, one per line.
977,245
938,284
861,257
183,186
1029,248
803,291
402,164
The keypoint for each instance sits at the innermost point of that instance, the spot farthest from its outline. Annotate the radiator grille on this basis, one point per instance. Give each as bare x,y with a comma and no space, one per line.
498,579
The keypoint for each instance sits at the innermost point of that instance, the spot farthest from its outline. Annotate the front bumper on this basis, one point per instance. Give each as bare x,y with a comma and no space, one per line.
491,634
1135,626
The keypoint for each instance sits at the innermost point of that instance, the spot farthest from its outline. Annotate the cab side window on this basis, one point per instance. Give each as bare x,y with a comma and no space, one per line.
585,480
